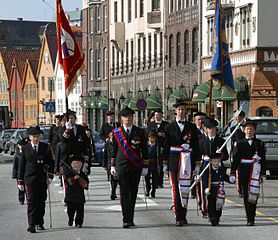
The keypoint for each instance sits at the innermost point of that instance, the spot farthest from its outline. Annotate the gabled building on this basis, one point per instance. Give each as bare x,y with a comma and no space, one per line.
29,89
45,77
16,100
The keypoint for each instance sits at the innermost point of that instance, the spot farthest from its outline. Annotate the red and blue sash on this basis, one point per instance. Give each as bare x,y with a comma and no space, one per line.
129,153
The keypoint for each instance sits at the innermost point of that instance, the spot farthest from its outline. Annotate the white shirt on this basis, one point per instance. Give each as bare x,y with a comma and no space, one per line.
181,126
74,128
35,145
129,128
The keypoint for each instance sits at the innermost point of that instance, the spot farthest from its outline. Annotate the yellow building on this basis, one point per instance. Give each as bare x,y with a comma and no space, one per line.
30,96
45,77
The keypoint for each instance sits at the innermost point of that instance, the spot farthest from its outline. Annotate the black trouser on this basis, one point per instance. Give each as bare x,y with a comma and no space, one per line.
179,210
114,183
250,208
36,194
214,215
73,207
151,181
129,182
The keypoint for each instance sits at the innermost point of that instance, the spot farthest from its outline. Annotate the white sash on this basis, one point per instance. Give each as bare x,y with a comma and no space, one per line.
254,181
220,196
184,175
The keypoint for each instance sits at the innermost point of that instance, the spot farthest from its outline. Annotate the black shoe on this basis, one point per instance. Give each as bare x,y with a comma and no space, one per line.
131,224
31,229
126,225
40,227
21,202
153,194
251,223
185,222
70,223
147,193
179,223
160,186
78,225
113,197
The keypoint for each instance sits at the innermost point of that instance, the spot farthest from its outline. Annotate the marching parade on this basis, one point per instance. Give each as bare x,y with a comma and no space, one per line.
92,148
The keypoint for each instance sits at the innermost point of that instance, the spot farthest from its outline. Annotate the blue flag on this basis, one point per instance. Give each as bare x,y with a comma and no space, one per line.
221,69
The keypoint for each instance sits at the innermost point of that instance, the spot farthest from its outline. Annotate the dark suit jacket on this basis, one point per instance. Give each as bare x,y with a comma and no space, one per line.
32,165
243,150
138,142
153,127
174,137
239,135
106,128
207,147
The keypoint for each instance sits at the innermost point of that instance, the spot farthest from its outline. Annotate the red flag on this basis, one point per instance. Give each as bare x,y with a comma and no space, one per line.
69,53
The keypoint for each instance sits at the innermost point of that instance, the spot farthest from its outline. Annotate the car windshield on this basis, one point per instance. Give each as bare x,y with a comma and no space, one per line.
21,134
8,134
267,127
45,133
97,138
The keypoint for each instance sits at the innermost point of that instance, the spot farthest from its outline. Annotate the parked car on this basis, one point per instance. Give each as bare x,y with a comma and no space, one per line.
45,129
16,136
267,131
99,144
5,136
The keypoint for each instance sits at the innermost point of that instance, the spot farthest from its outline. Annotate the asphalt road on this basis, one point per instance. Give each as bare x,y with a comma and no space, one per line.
103,219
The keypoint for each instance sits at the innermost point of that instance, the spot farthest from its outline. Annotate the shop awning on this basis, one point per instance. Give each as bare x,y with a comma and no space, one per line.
102,103
176,94
154,102
201,92
125,103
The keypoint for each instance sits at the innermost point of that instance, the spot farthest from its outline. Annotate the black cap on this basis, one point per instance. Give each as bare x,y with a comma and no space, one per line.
109,113
210,122
76,157
202,114
158,110
70,112
34,130
241,114
249,122
60,116
126,111
179,102
215,155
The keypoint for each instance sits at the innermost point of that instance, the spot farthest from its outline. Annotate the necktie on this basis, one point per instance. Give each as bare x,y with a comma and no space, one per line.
35,149
181,122
127,131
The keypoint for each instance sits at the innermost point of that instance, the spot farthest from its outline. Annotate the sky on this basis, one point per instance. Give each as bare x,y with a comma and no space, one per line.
43,10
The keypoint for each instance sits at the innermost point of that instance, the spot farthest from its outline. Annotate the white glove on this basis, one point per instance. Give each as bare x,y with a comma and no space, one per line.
165,169
196,170
49,180
113,171
144,172
232,179
20,187
85,168
86,158
207,191
68,125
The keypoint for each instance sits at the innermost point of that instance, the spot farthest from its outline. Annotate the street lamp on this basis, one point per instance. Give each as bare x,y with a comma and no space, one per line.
121,99
168,91
140,93
111,103
146,92
129,94
157,91
182,88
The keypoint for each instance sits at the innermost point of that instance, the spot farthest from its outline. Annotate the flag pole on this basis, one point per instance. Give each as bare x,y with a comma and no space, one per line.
210,97
67,107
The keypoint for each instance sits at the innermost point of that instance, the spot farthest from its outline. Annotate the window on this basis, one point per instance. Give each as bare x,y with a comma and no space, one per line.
43,83
27,91
155,5
144,52
135,6
31,112
91,69
105,67
122,10
27,112
171,6
155,49
115,11
122,62
113,60
186,47
150,50
178,5
34,91
131,55
210,35
59,84
129,11
194,45
245,27
60,105
141,8
105,19
98,64
171,50
35,111
31,91
117,62
50,84
178,49
161,49
186,3
139,54
98,18
127,57
92,20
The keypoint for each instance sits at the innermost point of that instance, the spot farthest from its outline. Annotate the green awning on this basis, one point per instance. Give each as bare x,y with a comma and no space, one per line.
103,103
154,102
125,103
133,102
201,92
93,104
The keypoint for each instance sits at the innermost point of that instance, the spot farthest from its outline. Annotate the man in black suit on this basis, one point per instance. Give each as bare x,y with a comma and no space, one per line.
55,133
129,160
158,126
108,126
209,144
181,147
35,172
249,158
239,135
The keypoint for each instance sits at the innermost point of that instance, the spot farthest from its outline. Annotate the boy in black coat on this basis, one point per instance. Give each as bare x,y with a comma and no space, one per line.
76,182
108,149
213,179
21,194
